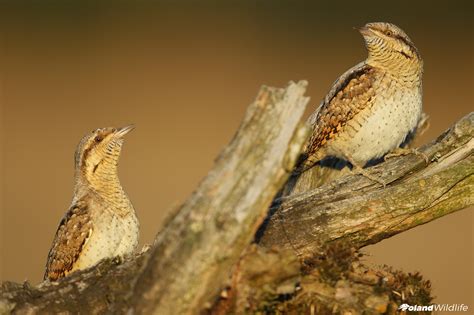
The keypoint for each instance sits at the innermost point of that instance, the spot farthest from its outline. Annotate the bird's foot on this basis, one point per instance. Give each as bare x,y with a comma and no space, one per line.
358,169
361,171
406,151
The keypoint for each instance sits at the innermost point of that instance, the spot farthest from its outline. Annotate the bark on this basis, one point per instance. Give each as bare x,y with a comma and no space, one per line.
194,253
201,261
359,210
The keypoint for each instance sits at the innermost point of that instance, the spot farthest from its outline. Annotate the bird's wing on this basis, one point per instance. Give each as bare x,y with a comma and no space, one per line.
350,94
72,234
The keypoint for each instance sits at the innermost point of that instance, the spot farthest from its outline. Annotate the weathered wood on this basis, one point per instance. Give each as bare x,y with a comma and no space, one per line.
197,251
193,256
354,208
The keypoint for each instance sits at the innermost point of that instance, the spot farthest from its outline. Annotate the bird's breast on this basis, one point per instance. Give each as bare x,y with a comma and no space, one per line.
113,235
384,125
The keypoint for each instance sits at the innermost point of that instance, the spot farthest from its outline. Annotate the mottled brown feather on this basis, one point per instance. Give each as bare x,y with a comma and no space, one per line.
349,95
73,231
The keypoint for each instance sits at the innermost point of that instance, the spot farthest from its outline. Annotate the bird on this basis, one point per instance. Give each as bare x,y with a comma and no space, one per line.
371,108
101,221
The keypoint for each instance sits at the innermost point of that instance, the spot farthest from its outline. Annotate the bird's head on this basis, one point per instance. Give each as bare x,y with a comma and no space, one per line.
98,153
386,42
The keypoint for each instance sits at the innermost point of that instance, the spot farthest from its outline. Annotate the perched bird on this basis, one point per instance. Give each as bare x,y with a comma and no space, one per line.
101,221
371,108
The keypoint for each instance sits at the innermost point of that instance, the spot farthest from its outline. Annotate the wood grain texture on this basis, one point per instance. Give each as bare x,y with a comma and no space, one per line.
353,208
195,252
203,243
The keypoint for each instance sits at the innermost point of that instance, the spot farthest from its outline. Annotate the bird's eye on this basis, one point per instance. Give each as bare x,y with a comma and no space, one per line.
388,33
98,139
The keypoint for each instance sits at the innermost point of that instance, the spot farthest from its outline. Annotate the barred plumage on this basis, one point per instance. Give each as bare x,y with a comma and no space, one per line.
371,108
101,221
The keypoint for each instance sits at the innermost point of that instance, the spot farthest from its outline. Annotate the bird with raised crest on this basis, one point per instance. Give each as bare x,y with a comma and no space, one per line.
372,107
101,221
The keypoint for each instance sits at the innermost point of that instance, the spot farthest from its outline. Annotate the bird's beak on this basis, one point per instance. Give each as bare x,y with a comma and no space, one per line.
364,30
123,131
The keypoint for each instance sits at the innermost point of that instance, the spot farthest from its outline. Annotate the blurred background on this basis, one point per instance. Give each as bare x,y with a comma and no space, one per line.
184,74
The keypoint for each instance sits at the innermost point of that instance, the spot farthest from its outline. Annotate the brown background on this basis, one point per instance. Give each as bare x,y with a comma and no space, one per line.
184,74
